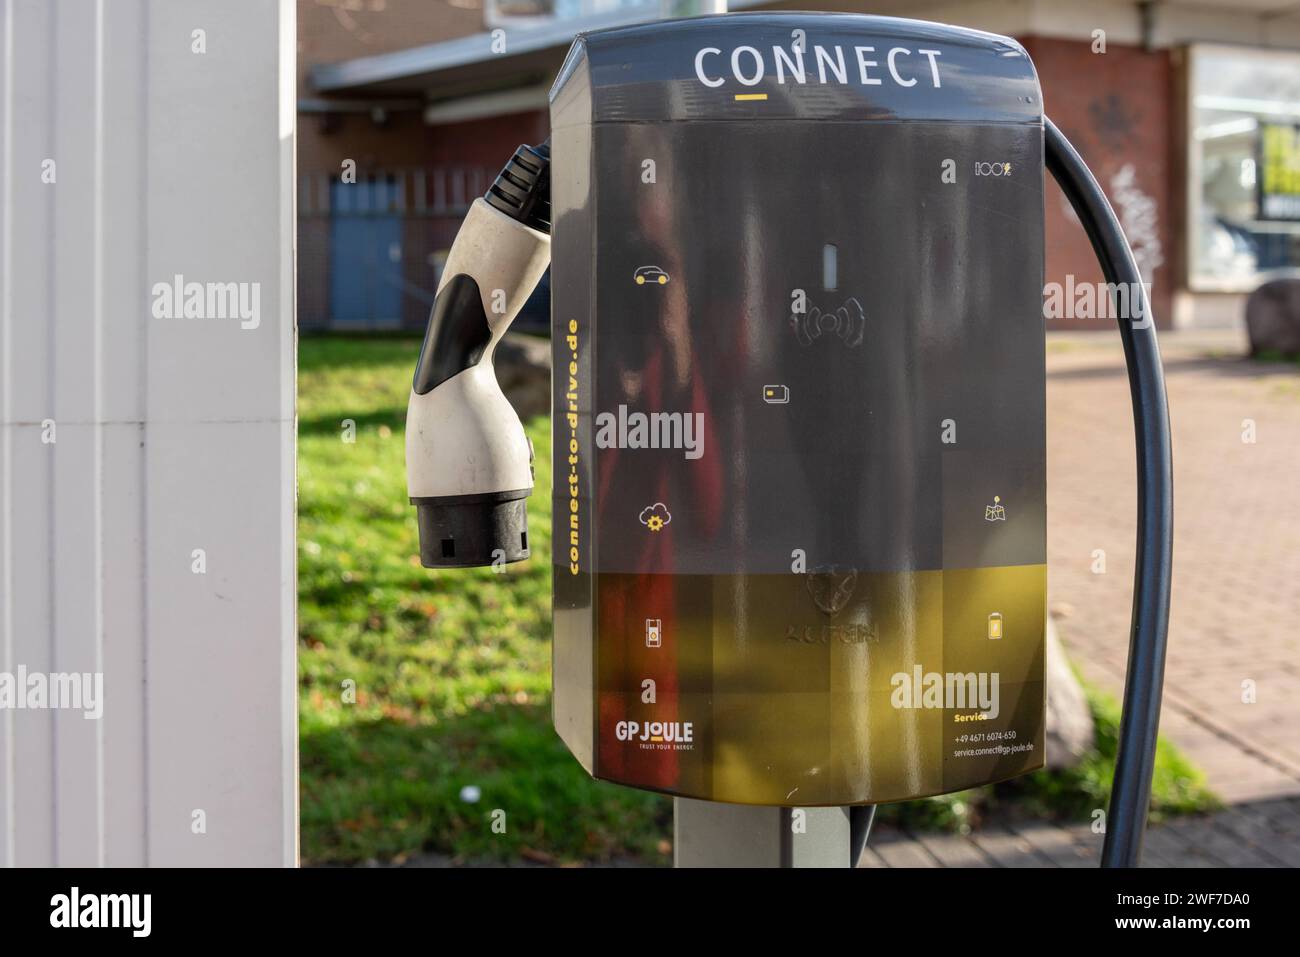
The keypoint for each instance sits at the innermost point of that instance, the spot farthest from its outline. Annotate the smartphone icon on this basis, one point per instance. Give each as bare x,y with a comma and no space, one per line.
654,629
995,625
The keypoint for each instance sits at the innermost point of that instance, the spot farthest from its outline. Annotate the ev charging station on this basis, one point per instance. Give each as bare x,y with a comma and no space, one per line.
798,421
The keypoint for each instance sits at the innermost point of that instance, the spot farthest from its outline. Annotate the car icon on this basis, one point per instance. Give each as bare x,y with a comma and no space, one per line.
650,274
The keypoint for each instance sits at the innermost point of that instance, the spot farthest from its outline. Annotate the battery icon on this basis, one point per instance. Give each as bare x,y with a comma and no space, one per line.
776,394
654,631
995,625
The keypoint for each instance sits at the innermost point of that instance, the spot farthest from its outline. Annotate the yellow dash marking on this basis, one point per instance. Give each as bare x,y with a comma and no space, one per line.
751,96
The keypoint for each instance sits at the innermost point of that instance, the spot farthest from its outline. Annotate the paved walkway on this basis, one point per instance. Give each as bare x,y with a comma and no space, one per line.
1235,624
1263,834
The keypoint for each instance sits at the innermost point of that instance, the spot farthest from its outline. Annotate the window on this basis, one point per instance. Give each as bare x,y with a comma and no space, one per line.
1244,166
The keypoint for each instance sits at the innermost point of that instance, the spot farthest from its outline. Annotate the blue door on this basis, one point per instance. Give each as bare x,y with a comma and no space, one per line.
365,256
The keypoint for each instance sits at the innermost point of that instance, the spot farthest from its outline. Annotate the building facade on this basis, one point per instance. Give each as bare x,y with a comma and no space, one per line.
1187,112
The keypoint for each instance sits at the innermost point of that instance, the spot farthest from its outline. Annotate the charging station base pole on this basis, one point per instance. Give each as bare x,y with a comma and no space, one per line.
708,834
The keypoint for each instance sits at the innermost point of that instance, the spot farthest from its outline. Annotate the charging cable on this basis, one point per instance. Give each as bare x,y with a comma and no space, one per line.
1148,634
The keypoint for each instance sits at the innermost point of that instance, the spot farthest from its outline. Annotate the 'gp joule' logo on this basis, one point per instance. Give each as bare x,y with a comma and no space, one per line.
667,735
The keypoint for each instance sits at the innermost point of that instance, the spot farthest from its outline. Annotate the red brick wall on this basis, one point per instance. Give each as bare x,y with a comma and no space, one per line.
405,141
1116,108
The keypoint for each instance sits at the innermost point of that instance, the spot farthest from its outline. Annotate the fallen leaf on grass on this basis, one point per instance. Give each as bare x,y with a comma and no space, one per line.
536,856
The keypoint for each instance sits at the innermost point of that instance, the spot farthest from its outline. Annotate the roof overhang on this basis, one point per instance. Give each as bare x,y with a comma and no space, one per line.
463,66
468,66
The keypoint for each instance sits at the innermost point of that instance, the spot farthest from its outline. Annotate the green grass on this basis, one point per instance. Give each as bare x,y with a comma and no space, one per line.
451,669
1273,355
1177,786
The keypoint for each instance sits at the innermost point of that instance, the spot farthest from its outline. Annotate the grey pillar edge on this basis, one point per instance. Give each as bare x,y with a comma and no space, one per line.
709,834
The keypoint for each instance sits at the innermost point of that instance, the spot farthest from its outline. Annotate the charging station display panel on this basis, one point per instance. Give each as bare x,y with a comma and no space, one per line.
799,408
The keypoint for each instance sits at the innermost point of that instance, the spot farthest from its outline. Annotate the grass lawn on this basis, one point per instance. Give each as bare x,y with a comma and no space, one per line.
415,685
452,669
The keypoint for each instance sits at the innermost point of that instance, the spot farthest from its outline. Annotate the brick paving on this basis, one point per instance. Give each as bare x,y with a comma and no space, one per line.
1236,599
1260,834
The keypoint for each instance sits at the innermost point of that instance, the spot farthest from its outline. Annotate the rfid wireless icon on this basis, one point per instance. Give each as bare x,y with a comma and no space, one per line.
848,323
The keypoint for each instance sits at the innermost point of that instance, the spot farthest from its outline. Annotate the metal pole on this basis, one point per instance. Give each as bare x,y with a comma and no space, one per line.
708,834
693,8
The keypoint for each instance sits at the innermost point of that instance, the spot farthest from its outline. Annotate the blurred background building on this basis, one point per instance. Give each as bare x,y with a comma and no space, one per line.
1188,111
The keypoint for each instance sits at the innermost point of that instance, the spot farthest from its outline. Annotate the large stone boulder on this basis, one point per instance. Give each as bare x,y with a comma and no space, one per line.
1273,317
523,366
1070,731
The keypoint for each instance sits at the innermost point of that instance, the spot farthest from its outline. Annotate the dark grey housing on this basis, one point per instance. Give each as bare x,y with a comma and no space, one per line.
847,211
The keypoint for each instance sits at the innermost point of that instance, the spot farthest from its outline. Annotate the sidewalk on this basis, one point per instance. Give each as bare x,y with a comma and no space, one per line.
1264,834
1236,595
1236,598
